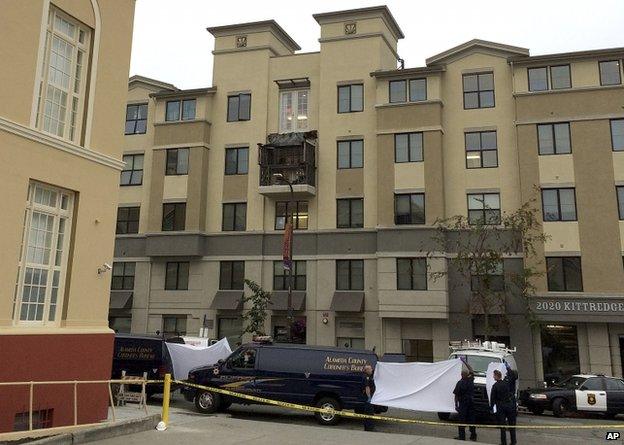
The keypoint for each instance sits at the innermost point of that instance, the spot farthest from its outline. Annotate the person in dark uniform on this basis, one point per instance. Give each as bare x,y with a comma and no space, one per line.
369,390
503,395
464,402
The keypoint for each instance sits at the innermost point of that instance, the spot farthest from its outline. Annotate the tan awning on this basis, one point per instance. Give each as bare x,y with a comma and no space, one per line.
348,301
279,300
121,299
228,300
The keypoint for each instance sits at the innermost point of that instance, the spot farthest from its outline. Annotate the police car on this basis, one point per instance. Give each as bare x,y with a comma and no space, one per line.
579,393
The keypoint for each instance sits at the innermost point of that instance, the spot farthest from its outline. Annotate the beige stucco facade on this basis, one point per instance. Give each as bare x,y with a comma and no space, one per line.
359,47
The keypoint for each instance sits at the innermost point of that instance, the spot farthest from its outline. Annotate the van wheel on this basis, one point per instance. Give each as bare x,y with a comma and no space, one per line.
327,418
560,407
207,402
444,416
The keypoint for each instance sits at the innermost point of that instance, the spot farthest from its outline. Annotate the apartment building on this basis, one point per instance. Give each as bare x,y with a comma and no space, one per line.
375,155
63,88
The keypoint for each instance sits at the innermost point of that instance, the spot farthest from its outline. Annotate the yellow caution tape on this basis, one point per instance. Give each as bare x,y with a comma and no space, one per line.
314,409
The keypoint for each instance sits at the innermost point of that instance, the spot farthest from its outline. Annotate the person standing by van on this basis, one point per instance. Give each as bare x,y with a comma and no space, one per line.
464,402
369,390
504,398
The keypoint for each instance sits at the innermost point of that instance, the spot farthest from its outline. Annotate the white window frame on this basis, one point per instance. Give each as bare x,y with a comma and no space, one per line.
297,115
56,213
75,91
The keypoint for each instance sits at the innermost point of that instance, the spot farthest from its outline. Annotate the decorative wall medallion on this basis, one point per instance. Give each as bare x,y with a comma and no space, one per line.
241,41
350,28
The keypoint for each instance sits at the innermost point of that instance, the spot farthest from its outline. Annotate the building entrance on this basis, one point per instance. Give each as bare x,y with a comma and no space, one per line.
560,354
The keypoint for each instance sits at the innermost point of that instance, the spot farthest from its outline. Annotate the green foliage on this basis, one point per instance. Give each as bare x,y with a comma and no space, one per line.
478,250
256,315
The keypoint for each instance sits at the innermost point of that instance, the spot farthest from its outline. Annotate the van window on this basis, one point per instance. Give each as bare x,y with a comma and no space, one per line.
244,358
313,361
479,363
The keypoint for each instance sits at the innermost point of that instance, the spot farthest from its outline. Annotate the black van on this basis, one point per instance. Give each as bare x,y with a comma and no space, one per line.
318,376
137,354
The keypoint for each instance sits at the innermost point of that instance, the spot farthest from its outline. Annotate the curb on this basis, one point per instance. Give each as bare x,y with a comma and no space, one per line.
102,432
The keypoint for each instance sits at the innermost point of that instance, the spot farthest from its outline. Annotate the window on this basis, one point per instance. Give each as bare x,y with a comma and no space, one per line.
481,149
559,204
174,216
177,276
349,275
123,276
136,119
350,98
620,198
564,274
411,273
478,90
350,342
418,90
484,208
42,266
282,212
398,90
280,276
177,161
41,419
408,147
559,78
418,350
234,216
617,134
239,107
173,325
230,328
62,84
132,173
350,213
351,154
409,208
121,325
180,110
554,139
614,384
232,275
610,72
127,220
294,110
492,280
236,161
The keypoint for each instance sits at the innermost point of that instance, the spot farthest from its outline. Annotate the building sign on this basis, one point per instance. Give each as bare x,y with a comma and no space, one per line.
574,306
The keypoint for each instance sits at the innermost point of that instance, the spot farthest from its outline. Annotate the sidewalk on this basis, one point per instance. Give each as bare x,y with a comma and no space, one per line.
225,430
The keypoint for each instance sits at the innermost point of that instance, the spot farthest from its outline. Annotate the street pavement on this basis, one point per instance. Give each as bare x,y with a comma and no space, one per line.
273,425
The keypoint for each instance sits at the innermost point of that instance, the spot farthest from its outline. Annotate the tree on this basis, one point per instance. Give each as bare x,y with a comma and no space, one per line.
478,248
257,313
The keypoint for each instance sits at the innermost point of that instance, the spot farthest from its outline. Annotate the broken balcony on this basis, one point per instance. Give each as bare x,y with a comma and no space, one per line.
288,158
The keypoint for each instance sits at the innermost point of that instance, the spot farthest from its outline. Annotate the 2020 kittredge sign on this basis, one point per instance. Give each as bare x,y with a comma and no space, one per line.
561,305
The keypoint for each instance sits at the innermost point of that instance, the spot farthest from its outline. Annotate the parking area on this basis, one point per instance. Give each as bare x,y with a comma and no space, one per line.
183,414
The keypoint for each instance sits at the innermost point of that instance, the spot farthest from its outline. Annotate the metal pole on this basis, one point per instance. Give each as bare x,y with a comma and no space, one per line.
165,405
112,402
289,316
75,403
30,408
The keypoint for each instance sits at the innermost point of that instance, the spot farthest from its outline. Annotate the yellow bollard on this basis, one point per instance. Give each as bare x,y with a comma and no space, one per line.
165,406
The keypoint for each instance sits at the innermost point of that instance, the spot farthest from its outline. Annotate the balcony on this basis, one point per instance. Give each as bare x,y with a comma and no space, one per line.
292,157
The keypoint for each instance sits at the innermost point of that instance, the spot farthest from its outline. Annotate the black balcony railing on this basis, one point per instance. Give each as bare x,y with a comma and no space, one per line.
292,156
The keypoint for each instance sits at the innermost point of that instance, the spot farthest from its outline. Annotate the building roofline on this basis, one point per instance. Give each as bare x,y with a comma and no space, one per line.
477,43
153,82
603,52
278,31
177,93
408,71
392,23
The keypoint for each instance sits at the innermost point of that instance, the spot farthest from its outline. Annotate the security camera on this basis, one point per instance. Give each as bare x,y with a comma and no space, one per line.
105,267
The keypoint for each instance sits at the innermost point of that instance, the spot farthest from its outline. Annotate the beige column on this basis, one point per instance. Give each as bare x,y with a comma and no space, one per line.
154,222
197,188
599,349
